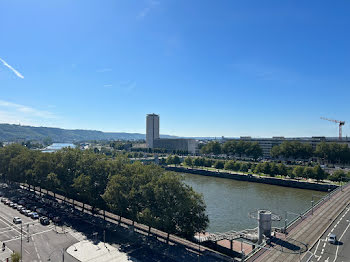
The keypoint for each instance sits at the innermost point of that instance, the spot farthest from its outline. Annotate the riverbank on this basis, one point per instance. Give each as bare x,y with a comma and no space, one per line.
257,179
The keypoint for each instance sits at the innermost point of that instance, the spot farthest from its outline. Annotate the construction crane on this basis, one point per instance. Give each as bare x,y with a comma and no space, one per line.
341,123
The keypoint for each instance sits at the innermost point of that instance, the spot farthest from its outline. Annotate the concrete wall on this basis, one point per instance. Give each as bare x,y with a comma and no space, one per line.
264,180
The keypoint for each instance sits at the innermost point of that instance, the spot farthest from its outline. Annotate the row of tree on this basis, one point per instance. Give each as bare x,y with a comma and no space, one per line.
233,147
144,193
268,168
329,152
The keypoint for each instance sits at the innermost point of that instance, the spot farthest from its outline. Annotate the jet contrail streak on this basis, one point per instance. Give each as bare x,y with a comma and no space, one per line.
11,68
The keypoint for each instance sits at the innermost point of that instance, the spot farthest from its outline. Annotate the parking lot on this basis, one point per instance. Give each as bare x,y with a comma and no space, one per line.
72,225
39,242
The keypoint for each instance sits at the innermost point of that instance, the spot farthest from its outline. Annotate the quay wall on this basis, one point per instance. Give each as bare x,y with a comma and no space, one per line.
256,179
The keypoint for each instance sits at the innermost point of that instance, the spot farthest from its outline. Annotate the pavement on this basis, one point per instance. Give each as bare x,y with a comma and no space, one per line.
88,251
337,252
295,246
39,243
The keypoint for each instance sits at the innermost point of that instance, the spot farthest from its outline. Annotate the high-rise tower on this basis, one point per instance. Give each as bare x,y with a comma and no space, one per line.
152,129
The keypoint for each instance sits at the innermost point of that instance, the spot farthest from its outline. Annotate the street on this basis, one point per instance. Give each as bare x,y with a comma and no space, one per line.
338,252
39,243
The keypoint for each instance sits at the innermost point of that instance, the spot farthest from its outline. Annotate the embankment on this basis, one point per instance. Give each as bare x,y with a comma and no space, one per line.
256,179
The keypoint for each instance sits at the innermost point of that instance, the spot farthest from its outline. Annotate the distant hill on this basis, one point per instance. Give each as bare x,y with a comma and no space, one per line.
16,132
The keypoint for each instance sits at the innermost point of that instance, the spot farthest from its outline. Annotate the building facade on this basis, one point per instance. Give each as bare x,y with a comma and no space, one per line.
152,129
266,144
154,141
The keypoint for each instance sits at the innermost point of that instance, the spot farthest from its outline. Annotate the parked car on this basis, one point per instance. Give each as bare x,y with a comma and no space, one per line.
44,221
23,210
17,220
19,207
3,200
34,215
28,213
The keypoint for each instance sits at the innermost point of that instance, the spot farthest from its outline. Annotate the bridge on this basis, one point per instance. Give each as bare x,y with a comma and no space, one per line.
303,235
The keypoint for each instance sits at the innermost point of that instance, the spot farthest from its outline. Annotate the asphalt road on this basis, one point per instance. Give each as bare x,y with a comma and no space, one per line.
338,252
42,242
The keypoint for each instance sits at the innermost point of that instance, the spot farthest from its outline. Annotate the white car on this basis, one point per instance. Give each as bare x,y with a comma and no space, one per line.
17,220
332,239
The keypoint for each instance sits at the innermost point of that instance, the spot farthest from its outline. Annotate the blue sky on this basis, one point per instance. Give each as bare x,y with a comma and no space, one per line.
209,68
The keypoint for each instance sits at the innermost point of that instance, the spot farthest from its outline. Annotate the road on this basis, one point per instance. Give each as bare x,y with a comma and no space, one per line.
338,252
306,233
40,244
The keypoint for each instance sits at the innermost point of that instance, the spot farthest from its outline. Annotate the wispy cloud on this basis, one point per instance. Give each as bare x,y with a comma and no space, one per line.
122,86
150,5
24,111
103,70
127,85
11,68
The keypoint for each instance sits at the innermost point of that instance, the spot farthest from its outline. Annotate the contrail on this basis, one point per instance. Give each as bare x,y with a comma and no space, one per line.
11,68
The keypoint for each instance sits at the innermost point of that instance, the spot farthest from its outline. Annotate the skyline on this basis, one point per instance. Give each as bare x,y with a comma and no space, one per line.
234,69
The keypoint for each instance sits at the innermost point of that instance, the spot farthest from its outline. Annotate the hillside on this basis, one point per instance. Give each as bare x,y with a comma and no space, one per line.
16,132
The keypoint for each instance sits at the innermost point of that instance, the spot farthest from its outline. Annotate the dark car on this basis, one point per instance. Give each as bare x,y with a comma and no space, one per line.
44,221
56,220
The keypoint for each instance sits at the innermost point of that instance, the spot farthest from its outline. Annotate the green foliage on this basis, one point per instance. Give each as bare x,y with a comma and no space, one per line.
212,147
219,164
250,149
188,161
292,149
333,152
15,257
339,175
144,193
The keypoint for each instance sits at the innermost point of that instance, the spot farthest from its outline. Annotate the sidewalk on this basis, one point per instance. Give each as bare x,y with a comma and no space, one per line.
86,250
5,254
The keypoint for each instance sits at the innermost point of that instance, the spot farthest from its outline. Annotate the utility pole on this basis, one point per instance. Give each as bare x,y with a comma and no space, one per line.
21,242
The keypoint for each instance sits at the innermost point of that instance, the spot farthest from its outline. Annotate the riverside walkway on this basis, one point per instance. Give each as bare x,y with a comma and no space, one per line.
303,235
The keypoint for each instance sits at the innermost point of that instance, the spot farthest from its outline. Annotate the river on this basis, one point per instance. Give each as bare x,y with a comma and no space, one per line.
57,146
229,202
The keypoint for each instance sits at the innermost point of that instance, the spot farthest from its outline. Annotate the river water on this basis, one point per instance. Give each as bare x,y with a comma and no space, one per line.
229,202
57,146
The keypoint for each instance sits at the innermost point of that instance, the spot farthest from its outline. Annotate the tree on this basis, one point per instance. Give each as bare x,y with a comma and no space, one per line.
298,171
229,165
282,169
176,160
212,147
188,161
244,167
219,164
338,175
266,168
319,173
170,160
308,173
15,257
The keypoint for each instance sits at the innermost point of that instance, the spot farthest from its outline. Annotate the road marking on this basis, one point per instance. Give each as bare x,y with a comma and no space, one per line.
18,237
336,253
317,247
324,244
36,250
9,224
322,251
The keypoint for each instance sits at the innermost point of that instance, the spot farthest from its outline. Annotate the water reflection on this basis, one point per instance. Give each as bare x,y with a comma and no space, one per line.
229,201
